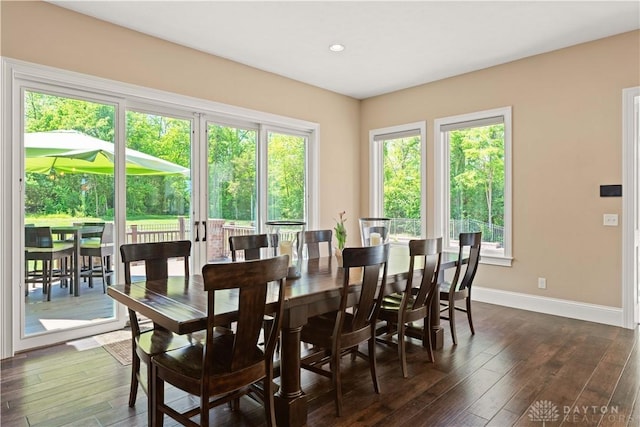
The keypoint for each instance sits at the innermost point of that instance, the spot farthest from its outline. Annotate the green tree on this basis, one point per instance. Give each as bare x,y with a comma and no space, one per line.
477,173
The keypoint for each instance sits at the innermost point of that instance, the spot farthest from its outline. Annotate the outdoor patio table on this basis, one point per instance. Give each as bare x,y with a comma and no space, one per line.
179,305
76,231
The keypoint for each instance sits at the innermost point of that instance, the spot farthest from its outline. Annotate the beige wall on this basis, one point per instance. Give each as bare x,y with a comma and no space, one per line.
41,33
567,141
566,132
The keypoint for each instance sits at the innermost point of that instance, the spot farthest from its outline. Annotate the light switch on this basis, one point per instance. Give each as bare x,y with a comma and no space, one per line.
610,220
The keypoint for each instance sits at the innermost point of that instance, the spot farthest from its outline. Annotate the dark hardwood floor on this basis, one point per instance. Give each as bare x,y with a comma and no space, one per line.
521,368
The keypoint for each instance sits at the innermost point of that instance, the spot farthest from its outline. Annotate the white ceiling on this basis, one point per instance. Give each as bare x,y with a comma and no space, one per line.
390,45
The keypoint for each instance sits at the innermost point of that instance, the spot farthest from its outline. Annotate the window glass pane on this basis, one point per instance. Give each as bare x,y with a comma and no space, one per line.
232,185
159,198
69,180
401,187
286,177
476,184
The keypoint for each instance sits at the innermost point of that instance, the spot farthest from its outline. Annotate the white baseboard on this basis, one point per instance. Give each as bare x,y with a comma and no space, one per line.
558,307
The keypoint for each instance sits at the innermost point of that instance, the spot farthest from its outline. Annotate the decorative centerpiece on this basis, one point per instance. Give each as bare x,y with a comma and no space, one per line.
341,236
287,238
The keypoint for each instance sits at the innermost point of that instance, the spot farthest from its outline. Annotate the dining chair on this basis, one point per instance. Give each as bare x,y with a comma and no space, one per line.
400,310
100,248
340,332
147,343
460,286
251,245
40,246
230,362
313,238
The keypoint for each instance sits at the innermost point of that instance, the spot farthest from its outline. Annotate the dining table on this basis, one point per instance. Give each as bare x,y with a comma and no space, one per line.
76,233
179,305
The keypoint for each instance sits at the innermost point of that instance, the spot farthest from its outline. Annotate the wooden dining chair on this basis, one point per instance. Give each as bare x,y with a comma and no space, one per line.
340,332
460,286
400,310
40,247
230,362
147,343
313,238
100,248
251,245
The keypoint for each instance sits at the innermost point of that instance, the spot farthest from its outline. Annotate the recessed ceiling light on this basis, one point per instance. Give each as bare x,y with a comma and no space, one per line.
336,47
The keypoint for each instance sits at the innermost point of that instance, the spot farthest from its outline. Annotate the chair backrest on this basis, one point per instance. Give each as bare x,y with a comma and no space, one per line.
372,260
469,247
251,245
312,240
91,234
106,237
252,279
156,257
430,250
38,237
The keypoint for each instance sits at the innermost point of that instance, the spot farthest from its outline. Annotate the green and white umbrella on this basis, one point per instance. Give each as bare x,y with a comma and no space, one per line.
70,151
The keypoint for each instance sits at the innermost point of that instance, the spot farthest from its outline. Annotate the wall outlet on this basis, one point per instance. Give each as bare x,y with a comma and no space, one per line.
610,220
542,283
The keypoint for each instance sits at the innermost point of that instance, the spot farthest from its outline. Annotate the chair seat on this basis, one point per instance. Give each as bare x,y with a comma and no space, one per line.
155,341
319,329
57,247
95,244
187,361
445,287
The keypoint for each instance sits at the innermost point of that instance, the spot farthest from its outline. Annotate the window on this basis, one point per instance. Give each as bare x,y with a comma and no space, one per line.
398,184
473,180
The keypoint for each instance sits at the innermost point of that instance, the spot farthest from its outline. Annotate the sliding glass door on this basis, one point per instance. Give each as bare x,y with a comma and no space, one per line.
254,174
68,183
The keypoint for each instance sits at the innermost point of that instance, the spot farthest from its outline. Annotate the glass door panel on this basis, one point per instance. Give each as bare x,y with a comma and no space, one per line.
232,186
69,181
286,178
158,180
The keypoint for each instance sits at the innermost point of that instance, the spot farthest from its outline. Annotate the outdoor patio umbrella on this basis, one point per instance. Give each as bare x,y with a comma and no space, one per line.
71,151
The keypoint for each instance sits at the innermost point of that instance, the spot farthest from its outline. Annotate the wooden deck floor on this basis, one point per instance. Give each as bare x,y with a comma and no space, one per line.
588,373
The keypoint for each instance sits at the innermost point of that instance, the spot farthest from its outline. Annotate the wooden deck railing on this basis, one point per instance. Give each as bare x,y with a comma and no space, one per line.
218,232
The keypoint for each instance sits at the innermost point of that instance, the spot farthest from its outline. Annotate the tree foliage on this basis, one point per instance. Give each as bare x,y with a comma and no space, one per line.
92,194
477,175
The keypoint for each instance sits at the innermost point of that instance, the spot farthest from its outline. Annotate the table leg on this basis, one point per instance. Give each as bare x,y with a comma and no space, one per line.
437,332
290,401
77,235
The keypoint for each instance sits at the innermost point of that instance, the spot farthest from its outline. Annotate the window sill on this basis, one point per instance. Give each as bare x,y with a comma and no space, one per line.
491,259
495,260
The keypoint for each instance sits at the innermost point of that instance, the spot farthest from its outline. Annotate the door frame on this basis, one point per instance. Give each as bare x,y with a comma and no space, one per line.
630,210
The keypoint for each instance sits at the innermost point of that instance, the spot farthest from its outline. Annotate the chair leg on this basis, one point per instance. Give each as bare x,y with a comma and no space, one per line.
269,404
337,381
452,321
149,388
401,348
204,411
426,338
468,300
90,270
135,370
48,278
372,361
157,398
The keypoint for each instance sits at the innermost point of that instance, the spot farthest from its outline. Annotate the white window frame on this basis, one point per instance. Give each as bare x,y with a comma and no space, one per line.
442,198
376,184
14,75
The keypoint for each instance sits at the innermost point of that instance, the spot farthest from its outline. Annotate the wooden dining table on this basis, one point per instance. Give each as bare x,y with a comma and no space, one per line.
179,305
